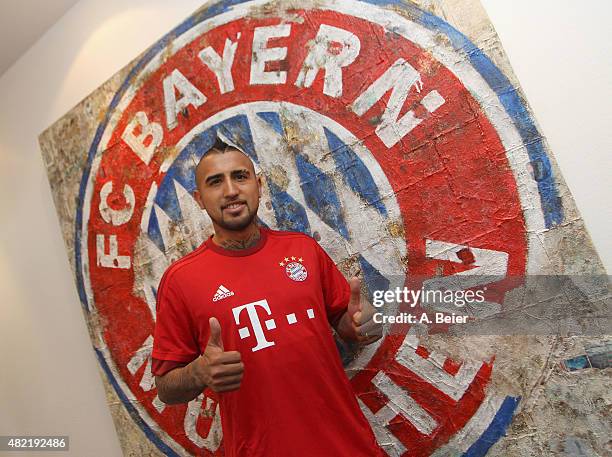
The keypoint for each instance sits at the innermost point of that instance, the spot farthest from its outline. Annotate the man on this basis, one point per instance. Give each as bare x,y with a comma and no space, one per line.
248,315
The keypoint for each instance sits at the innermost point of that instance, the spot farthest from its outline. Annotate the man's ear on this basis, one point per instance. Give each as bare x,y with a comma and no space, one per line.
259,185
198,198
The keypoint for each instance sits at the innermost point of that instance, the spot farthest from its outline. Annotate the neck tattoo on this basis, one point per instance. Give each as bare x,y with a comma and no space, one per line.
236,245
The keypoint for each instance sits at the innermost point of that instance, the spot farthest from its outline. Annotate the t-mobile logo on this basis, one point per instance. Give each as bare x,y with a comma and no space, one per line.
256,324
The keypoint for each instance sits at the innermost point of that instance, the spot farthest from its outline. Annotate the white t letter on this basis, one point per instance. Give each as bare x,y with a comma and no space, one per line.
137,142
324,55
190,95
260,336
262,54
222,68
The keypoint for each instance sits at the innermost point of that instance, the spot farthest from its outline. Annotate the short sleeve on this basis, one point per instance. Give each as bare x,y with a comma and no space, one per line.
336,290
174,337
161,367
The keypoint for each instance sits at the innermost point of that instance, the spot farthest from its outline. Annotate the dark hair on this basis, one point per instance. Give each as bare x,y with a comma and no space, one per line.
220,146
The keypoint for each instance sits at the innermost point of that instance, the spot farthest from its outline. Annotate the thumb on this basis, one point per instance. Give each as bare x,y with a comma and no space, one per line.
354,305
215,333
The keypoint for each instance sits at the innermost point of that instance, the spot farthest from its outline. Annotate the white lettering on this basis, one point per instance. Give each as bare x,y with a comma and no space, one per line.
431,369
262,54
399,78
325,55
190,95
213,439
378,318
221,67
488,266
415,294
112,259
442,318
379,421
137,143
377,298
402,403
147,381
424,319
142,355
116,216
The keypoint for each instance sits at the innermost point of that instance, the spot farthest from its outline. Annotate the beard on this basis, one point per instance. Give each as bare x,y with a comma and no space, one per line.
239,223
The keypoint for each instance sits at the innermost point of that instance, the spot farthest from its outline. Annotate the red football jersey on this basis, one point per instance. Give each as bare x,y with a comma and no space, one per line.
274,302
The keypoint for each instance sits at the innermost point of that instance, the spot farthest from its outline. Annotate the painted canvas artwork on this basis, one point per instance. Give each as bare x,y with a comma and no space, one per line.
396,134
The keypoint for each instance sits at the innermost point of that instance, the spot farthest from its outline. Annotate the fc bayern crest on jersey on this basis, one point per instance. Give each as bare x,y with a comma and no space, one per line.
381,133
295,269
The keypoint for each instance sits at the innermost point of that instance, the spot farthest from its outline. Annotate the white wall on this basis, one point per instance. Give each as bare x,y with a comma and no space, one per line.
561,52
49,382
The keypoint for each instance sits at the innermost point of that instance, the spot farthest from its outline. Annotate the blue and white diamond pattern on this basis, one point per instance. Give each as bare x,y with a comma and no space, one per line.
318,179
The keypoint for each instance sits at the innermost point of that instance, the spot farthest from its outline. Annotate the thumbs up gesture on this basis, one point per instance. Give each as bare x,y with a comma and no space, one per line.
357,323
219,370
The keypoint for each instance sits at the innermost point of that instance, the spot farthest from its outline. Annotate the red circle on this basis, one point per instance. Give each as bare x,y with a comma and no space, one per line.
450,175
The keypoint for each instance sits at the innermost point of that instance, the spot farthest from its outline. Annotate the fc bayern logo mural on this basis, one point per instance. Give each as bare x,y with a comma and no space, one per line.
379,130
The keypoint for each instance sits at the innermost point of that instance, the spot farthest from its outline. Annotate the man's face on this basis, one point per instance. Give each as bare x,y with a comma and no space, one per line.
228,189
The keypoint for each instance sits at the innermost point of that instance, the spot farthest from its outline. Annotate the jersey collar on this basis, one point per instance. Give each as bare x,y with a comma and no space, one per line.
210,244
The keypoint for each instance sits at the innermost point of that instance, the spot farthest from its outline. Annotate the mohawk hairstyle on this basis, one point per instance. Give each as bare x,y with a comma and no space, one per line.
220,146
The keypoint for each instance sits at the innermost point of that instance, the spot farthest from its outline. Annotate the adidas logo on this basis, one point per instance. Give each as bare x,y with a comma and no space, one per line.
222,292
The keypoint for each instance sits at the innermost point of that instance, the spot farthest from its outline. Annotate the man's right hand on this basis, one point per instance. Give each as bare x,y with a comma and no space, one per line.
219,370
